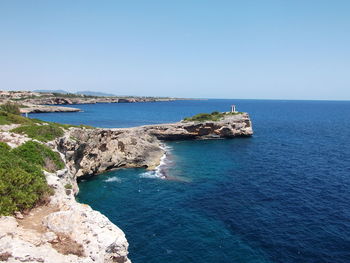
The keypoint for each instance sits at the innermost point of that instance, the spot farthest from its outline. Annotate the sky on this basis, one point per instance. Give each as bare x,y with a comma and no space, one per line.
251,49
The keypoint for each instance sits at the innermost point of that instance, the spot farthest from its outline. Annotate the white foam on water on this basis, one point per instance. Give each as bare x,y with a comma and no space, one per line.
149,174
113,179
160,172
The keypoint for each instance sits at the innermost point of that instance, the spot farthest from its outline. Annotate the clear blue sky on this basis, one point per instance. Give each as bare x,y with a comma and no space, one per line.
296,49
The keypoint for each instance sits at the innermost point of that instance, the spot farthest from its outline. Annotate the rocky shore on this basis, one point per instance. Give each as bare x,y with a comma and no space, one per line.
66,231
94,151
230,126
40,102
88,100
31,108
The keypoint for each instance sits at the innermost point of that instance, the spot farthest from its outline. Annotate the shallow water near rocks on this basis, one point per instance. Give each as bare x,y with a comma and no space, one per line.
281,196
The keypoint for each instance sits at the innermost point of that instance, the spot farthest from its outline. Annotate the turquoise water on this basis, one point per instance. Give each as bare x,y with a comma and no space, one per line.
281,196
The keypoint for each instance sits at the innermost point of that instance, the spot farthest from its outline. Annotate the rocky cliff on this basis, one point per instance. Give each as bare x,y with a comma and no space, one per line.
94,151
230,126
62,231
66,231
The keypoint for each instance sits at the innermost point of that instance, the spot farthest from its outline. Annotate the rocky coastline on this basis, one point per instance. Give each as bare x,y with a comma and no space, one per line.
90,236
32,108
42,102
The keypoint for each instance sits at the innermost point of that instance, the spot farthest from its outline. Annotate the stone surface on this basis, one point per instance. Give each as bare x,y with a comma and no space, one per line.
13,139
231,126
98,238
34,108
93,151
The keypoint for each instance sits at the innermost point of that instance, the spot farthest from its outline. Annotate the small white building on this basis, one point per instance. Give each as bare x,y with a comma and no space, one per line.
233,108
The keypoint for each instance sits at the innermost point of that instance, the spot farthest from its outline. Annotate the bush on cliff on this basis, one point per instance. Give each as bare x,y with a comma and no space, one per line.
44,133
34,128
10,107
22,182
214,116
9,118
39,154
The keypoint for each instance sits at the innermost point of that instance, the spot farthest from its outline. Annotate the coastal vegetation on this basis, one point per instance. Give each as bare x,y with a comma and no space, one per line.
10,118
214,116
39,154
34,128
10,107
22,182
44,133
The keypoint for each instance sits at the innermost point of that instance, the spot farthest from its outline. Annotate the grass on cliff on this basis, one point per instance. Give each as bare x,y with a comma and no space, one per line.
214,116
39,154
34,128
22,182
10,107
9,118
44,132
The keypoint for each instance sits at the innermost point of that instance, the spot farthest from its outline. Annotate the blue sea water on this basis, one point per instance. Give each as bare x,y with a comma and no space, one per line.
282,195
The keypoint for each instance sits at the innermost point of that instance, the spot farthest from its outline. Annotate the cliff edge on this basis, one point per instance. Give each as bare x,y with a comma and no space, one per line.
64,230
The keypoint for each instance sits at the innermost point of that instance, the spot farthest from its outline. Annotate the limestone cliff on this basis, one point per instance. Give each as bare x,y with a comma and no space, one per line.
33,108
62,231
228,127
66,231
93,151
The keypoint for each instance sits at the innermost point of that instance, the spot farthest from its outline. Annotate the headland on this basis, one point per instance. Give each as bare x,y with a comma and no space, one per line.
63,230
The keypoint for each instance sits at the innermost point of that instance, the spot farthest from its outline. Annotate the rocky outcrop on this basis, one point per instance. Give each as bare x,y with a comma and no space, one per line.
93,151
230,126
33,108
13,139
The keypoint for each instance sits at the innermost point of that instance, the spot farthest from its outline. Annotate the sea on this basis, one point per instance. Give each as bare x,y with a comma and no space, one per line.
280,196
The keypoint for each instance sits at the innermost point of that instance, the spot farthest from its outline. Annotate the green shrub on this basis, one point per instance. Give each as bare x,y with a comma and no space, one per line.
43,133
4,148
205,117
10,107
39,154
9,118
54,128
68,186
22,184
214,116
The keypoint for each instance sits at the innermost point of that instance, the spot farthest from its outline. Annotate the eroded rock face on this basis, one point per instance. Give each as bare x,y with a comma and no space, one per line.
231,126
93,151
63,231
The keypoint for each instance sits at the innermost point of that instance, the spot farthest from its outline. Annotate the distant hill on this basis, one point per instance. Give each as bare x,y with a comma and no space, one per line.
86,92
